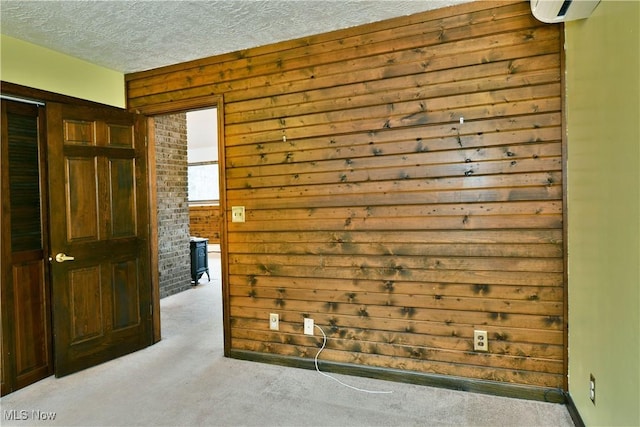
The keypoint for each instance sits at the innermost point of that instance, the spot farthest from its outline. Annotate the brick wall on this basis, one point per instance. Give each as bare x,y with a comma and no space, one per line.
173,208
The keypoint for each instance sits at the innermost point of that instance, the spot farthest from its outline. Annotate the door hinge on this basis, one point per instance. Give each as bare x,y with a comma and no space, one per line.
150,309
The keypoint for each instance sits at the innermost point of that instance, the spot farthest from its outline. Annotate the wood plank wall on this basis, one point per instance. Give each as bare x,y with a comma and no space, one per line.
204,222
372,209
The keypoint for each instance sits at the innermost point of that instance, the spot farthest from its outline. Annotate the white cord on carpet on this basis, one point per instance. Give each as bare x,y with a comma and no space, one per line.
324,343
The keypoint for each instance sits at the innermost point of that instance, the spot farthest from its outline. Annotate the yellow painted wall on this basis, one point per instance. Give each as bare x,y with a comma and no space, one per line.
603,119
34,66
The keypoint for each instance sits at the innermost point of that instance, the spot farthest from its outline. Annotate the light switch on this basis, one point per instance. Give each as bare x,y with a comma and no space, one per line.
237,213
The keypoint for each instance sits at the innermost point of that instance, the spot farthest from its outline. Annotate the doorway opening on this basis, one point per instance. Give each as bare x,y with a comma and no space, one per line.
188,201
203,176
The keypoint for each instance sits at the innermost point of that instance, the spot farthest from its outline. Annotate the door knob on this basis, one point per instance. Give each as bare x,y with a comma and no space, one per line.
63,257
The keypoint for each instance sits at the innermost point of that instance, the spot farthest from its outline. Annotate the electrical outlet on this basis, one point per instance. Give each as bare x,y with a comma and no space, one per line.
308,326
274,322
480,341
592,388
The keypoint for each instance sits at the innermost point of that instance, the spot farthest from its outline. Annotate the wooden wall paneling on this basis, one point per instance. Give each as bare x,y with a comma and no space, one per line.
191,87
372,208
145,81
204,221
183,79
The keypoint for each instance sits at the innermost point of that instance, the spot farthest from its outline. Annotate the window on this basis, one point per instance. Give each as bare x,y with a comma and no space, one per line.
202,145
203,182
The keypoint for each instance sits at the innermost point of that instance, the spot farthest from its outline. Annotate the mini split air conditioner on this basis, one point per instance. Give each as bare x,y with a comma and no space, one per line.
553,11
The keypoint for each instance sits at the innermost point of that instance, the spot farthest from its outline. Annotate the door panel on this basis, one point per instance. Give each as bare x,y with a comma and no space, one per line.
31,313
126,307
25,291
99,216
82,199
85,297
122,192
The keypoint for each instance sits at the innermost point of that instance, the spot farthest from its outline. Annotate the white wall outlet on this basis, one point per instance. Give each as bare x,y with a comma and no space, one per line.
480,341
592,388
237,213
308,326
274,322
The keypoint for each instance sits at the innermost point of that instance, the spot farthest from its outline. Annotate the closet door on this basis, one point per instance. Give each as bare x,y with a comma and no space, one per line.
25,293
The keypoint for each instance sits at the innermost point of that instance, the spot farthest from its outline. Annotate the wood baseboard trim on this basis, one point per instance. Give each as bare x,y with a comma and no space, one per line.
573,411
410,377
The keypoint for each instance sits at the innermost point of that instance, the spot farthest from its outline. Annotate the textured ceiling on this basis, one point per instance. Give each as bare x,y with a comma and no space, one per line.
133,35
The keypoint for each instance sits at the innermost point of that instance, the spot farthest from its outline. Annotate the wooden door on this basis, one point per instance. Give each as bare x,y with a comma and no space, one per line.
25,312
97,171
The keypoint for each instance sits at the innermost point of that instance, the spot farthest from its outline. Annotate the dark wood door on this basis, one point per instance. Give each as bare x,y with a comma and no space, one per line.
97,171
25,308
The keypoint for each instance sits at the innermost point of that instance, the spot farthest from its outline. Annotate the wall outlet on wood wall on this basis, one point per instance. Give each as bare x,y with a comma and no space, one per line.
274,322
308,326
480,341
